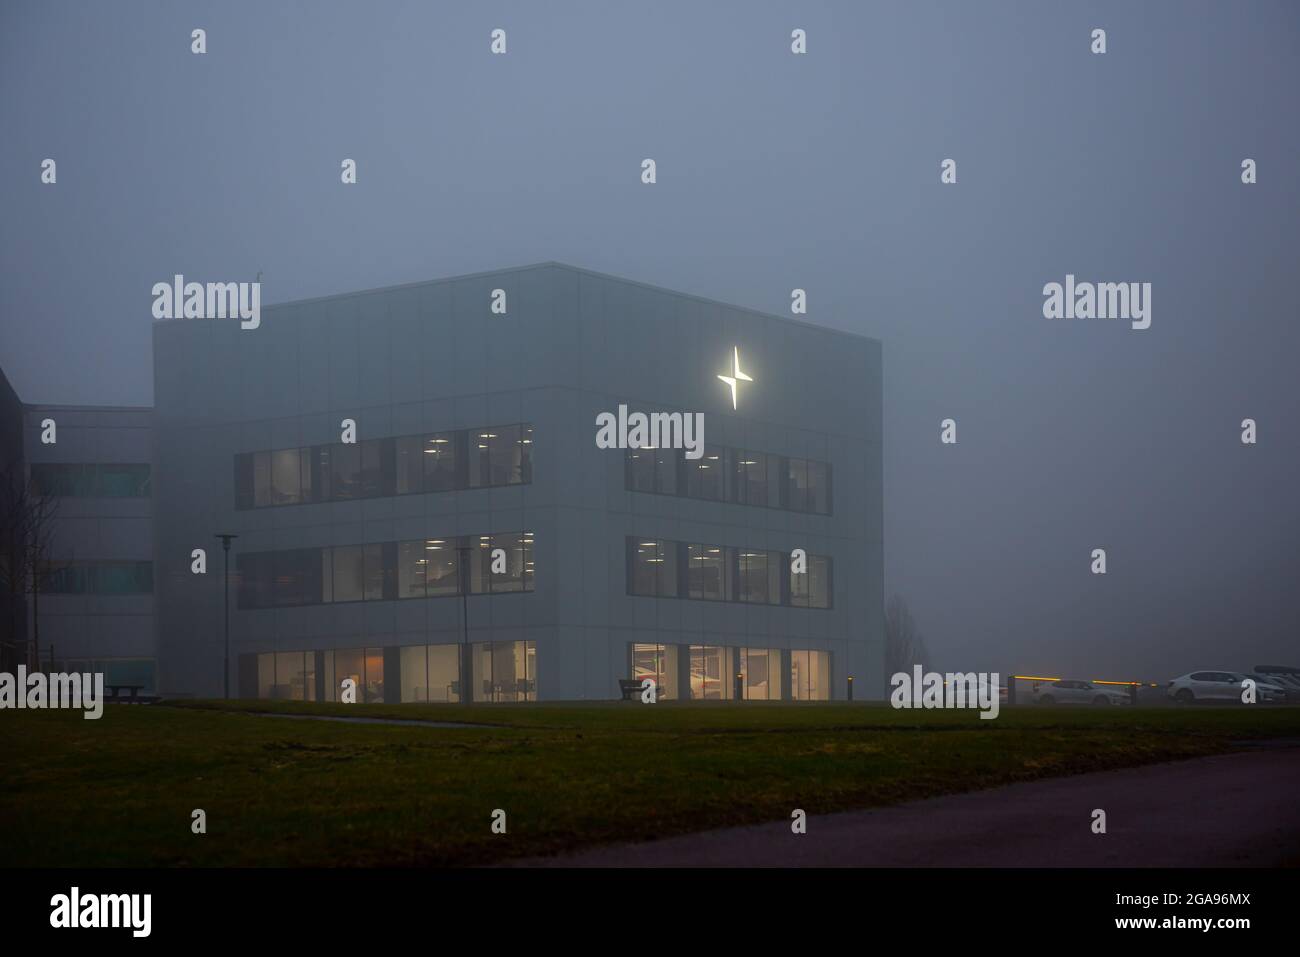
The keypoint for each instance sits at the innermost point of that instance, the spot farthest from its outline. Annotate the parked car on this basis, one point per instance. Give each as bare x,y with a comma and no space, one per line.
1221,686
1069,691
1287,684
1287,677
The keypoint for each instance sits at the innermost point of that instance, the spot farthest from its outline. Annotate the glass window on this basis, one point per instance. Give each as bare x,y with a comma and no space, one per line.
654,567
412,562
497,456
442,572
410,464
125,671
819,487
91,481
775,483
51,479
256,579
504,671
349,663
372,469
305,475
710,677
751,478
810,675
327,575
658,662
640,470
480,458
444,673
799,583
123,481
349,576
798,479
819,581
643,564
266,676
666,470
512,670
291,677
479,554
297,575
666,570
799,675
321,469
652,469
762,670
285,487
756,574
120,578
813,588
345,471
517,554
524,455
414,664
309,676
706,576
65,580
706,476
374,572
439,456
403,465
262,479
374,676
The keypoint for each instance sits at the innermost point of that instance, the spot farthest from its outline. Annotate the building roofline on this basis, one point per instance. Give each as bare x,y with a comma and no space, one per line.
553,264
59,406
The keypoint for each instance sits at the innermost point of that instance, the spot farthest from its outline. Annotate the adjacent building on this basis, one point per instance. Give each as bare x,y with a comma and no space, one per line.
93,606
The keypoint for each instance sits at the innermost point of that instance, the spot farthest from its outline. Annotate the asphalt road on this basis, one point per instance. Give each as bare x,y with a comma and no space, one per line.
1233,810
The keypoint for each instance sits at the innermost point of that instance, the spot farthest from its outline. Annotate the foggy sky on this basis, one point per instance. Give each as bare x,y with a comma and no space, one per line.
775,171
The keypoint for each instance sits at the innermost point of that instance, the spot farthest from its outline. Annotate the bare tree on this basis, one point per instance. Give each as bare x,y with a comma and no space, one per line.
904,644
27,565
13,567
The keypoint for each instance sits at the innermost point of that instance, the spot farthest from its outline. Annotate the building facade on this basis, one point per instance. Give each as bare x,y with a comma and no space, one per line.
14,643
93,607
420,503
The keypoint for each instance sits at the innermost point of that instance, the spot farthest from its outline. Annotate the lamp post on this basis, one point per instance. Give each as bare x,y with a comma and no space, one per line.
225,547
466,664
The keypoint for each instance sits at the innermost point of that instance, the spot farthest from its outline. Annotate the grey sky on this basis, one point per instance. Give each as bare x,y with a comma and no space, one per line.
775,171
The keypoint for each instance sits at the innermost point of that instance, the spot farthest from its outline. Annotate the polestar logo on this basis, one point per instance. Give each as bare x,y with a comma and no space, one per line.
736,375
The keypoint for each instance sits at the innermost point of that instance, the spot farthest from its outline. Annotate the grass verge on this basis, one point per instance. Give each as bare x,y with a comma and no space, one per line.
120,791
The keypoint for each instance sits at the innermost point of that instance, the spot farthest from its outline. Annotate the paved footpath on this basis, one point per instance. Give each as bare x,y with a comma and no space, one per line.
1233,810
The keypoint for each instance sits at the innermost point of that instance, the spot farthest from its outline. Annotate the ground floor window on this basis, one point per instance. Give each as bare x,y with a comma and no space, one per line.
810,675
761,673
122,672
430,673
365,666
500,671
659,662
720,673
711,678
504,670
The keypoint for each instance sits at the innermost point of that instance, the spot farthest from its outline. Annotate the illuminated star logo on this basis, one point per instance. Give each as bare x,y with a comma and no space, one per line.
736,376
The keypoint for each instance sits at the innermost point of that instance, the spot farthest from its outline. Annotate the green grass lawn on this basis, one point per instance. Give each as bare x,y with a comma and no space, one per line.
119,791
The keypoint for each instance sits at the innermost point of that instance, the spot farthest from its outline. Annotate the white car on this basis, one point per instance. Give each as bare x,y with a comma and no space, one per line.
1069,691
1289,681
1220,686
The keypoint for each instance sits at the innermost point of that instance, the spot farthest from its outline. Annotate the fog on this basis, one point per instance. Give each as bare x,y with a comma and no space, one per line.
775,171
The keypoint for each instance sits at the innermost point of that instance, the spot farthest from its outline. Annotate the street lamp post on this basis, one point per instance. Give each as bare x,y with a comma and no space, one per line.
225,547
466,663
